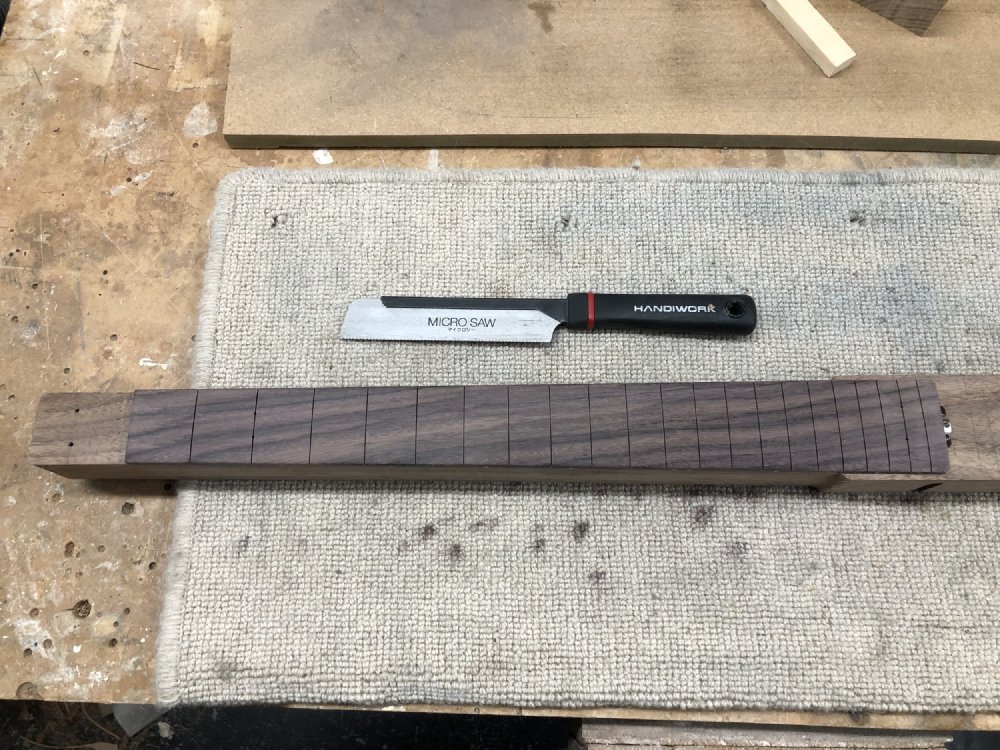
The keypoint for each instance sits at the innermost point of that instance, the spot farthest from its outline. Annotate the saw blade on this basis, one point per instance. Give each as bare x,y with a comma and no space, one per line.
370,319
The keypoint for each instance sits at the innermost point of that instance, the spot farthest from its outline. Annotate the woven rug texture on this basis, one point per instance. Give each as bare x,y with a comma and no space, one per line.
591,595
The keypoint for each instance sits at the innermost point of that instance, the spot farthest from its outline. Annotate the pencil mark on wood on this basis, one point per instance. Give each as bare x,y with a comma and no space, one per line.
160,428
934,422
776,454
801,429
282,430
223,426
913,423
680,426
852,438
826,425
876,447
734,432
895,427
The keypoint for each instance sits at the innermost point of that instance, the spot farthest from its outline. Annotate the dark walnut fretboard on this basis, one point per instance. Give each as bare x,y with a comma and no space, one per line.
768,432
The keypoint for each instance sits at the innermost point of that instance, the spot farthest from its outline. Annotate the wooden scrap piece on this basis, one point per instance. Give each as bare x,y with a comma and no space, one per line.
912,15
813,33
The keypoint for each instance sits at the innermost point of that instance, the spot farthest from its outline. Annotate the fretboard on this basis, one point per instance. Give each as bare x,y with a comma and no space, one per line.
859,426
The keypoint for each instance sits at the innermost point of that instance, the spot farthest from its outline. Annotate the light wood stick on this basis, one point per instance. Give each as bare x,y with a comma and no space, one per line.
813,33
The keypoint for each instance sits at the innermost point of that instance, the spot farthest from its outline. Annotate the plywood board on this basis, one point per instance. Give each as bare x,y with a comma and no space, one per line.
439,73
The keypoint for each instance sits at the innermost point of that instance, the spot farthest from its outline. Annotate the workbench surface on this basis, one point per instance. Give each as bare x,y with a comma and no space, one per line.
110,152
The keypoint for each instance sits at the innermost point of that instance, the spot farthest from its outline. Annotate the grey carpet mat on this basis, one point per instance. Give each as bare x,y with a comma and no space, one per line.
539,595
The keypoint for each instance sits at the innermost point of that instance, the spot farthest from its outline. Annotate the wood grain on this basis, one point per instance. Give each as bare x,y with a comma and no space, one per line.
776,453
764,433
338,426
801,428
391,426
609,437
826,425
873,429
913,422
933,421
973,460
644,407
81,429
529,425
913,15
855,456
895,428
486,433
160,427
570,419
744,426
223,426
440,425
282,430
712,419
680,426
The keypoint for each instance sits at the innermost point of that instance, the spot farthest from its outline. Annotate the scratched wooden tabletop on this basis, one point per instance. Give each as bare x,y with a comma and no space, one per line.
110,152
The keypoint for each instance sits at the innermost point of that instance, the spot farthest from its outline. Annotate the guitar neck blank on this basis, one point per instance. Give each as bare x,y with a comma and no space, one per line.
888,433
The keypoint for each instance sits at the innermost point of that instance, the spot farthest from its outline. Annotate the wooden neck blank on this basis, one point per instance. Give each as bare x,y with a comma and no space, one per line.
879,434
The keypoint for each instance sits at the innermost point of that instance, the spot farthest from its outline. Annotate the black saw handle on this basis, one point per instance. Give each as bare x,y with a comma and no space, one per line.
721,314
